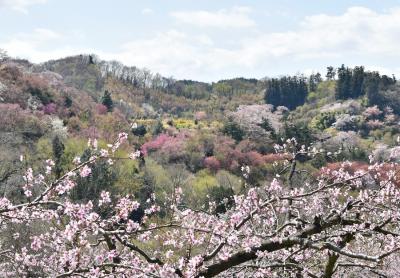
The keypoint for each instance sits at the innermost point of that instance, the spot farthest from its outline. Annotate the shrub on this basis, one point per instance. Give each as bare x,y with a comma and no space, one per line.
323,120
38,87
140,131
374,124
233,130
201,115
50,108
345,122
212,163
372,112
101,109
107,101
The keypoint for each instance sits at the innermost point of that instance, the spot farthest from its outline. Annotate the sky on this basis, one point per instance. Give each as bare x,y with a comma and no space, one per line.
208,40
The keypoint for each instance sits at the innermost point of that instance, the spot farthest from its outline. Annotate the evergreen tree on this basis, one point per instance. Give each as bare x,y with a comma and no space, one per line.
357,81
386,81
353,83
266,125
331,73
372,84
139,131
343,85
300,131
273,92
58,151
107,101
313,81
68,102
232,129
289,91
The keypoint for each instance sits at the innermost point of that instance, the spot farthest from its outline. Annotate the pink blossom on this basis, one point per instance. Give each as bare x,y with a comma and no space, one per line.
104,198
85,171
134,155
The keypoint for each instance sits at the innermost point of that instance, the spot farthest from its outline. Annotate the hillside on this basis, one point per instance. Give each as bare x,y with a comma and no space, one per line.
209,129
213,147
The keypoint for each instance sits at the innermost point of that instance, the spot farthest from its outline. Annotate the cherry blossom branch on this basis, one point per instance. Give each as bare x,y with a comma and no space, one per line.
360,256
271,246
282,265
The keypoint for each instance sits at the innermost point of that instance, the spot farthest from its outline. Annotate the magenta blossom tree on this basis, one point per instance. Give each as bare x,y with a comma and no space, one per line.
332,225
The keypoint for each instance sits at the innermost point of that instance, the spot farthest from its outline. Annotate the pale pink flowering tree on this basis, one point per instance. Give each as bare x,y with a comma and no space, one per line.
330,226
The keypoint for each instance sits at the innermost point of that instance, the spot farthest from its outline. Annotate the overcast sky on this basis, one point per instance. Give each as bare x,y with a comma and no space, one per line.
210,39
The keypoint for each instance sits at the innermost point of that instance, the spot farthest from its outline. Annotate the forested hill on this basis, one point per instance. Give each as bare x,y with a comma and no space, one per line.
89,73
206,130
97,157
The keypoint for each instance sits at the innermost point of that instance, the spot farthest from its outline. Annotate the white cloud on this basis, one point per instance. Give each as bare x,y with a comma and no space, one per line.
171,52
41,35
355,37
352,37
35,45
37,38
147,11
236,17
20,5
358,36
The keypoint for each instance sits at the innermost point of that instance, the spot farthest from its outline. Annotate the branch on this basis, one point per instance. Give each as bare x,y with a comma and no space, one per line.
332,259
283,265
140,251
360,256
299,238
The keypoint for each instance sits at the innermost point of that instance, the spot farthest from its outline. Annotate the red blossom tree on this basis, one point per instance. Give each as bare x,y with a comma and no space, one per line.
212,163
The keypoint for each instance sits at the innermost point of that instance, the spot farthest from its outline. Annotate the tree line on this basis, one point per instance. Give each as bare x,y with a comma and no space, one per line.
289,91
357,82
292,91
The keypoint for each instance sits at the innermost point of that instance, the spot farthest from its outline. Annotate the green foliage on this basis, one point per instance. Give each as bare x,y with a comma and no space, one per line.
300,131
330,73
222,197
158,128
289,91
107,101
43,148
44,96
129,179
313,82
58,150
77,72
223,88
232,129
343,89
324,94
353,83
229,180
323,120
318,161
140,131
266,125
73,147
101,178
379,91
197,191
